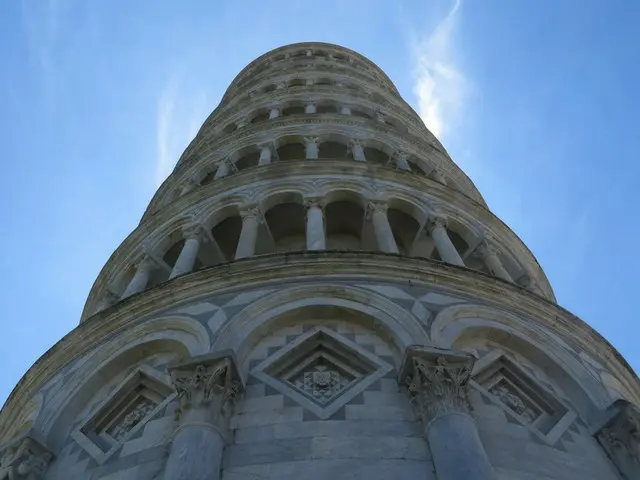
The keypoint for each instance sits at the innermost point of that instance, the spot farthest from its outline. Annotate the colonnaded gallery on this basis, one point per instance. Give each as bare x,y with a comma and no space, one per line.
317,291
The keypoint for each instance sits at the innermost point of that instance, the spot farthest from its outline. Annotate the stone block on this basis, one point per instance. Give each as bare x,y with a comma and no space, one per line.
254,419
250,472
273,451
368,469
261,404
365,412
379,447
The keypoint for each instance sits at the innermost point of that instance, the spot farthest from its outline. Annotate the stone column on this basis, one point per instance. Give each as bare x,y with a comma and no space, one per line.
274,112
490,257
242,122
357,150
311,147
345,110
281,85
207,388
310,107
380,116
187,187
139,281
436,380
384,235
620,438
265,154
309,82
438,176
109,298
24,458
437,227
316,237
249,233
223,170
401,161
187,258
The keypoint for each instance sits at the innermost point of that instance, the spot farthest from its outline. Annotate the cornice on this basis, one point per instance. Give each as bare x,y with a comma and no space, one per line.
265,270
304,170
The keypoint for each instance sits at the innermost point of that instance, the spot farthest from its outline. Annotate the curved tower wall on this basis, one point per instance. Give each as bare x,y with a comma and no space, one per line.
317,290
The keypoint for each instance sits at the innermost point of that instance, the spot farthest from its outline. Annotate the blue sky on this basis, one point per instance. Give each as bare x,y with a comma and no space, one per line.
536,100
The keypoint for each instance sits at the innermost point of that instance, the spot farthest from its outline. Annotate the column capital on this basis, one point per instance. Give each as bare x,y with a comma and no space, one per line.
249,211
311,139
485,249
436,380
265,144
146,263
314,201
356,142
620,438
207,387
377,206
193,230
436,221
24,458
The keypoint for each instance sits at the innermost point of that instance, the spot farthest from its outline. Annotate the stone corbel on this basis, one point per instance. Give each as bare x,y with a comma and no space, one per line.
24,458
436,381
620,438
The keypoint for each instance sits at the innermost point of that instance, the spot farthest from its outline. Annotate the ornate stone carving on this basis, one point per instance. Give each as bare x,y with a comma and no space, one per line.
514,402
620,437
25,459
250,211
436,221
131,419
485,249
211,385
436,381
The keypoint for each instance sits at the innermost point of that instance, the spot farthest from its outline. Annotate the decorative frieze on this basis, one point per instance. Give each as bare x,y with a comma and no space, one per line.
620,437
24,458
436,381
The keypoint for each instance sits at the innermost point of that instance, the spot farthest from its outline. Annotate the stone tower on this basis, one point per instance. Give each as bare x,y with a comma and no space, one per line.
318,291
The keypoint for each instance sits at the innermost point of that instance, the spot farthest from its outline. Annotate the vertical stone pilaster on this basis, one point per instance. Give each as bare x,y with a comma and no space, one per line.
249,233
141,278
384,235
436,381
437,227
357,150
187,258
311,147
490,257
316,236
207,388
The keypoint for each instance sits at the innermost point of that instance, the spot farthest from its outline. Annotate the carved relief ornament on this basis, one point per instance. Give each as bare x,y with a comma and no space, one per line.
620,438
25,458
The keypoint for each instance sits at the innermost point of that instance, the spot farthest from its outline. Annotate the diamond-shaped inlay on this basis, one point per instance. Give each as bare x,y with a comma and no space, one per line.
321,370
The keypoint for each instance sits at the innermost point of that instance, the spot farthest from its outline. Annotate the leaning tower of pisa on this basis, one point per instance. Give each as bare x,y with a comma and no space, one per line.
318,291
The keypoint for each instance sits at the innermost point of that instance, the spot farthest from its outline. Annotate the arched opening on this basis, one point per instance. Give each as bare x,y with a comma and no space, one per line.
286,222
260,117
297,82
230,128
248,160
361,114
404,228
208,178
323,81
344,221
326,108
332,150
226,234
291,151
374,155
269,88
292,110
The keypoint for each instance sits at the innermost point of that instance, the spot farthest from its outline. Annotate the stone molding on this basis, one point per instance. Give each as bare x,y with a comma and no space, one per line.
207,388
436,381
620,438
271,269
24,458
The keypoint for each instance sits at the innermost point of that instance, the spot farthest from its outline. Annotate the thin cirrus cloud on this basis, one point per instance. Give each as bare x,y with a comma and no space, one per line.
440,87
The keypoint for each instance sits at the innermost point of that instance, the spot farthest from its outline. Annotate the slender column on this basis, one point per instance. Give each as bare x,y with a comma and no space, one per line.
438,176
311,147
384,235
187,258
24,458
281,85
380,116
242,122
527,281
223,169
187,187
620,438
109,298
345,110
207,388
402,162
436,380
490,257
265,154
310,81
249,233
357,150
423,245
310,107
437,227
141,278
316,237
274,112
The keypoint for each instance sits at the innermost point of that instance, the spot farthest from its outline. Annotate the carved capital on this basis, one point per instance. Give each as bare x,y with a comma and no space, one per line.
24,458
207,387
620,437
146,263
249,211
311,202
485,249
436,221
309,140
194,230
436,380
377,206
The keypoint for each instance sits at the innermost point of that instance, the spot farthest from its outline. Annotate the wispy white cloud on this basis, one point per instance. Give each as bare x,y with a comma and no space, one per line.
440,86
179,115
